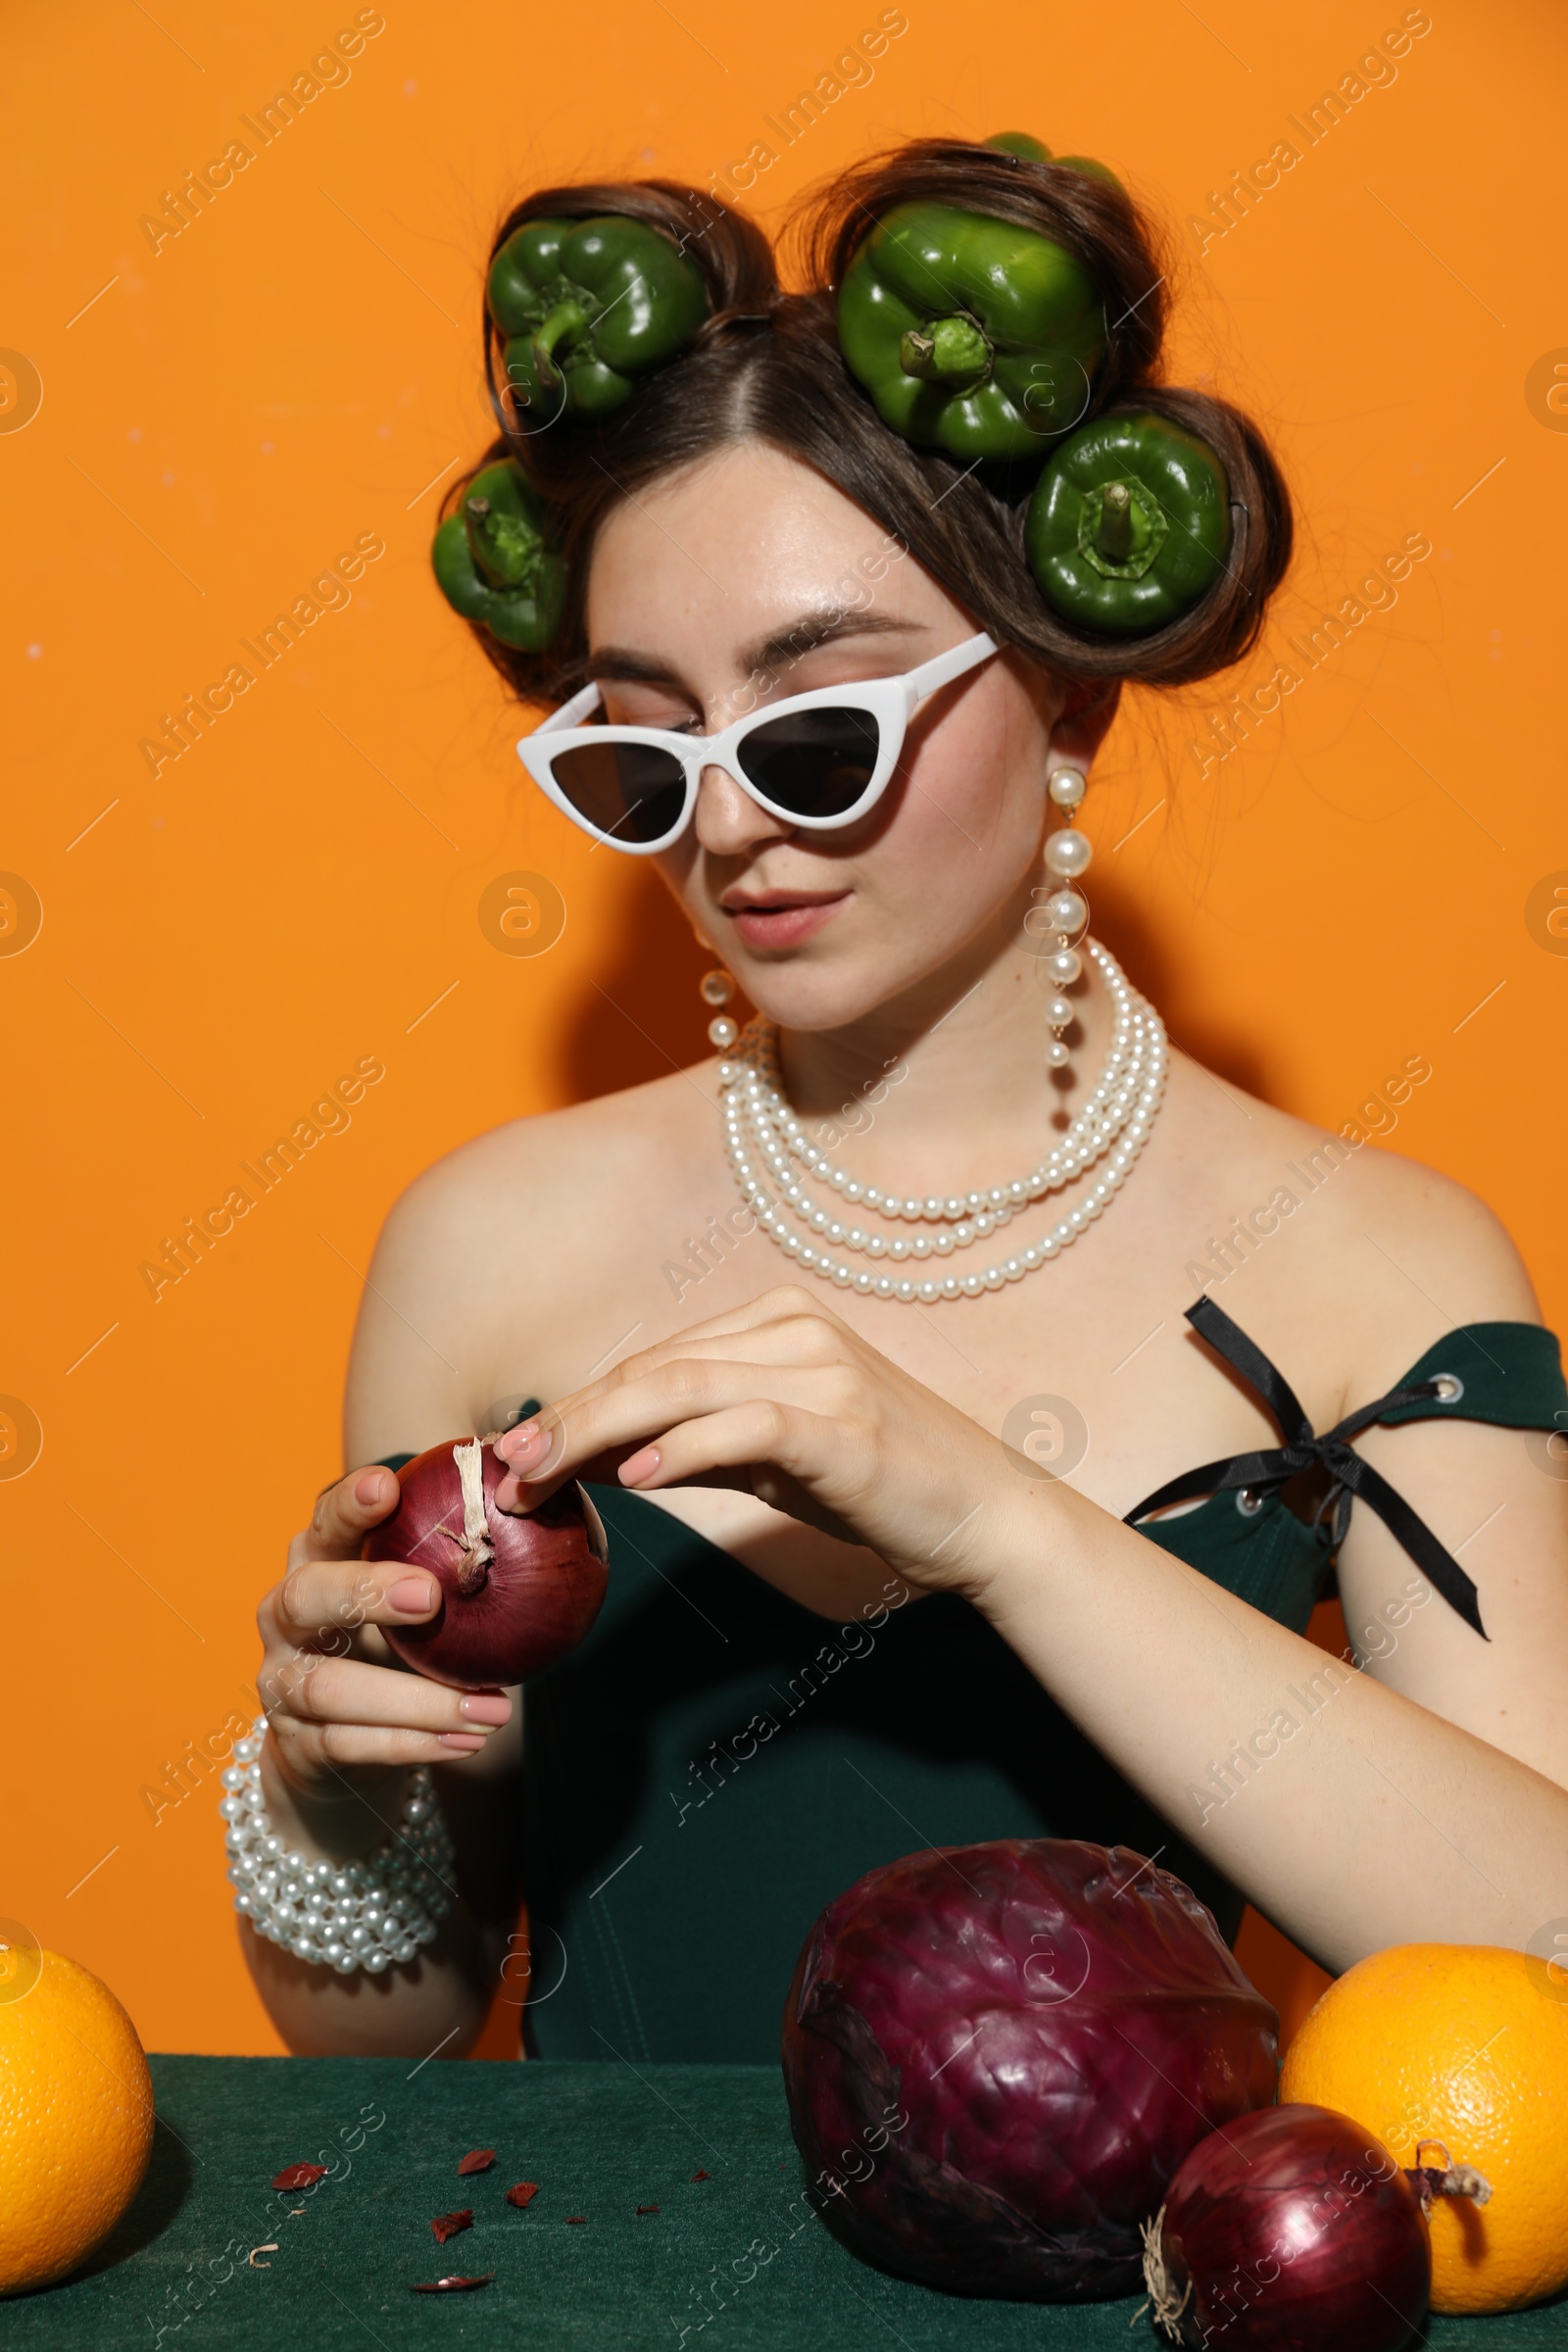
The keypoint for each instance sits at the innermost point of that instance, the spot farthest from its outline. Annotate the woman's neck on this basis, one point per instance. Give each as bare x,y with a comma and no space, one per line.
953,1094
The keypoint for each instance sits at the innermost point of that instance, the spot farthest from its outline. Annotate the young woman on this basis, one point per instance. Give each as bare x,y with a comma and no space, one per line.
869,1480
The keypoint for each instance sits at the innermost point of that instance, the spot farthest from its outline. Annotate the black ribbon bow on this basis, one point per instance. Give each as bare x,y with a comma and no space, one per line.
1349,1476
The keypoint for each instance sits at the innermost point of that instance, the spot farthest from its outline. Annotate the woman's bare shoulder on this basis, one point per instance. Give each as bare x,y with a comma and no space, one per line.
1365,1255
500,1256
1431,1254
559,1162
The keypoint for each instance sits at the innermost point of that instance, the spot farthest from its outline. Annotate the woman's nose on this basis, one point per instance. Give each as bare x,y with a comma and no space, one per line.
729,820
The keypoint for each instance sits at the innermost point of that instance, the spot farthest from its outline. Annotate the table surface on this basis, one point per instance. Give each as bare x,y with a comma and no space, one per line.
734,2261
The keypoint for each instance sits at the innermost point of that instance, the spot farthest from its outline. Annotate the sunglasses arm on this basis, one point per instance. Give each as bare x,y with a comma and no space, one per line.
572,713
933,675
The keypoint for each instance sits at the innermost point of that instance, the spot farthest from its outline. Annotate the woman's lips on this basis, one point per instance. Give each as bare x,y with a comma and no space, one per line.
784,925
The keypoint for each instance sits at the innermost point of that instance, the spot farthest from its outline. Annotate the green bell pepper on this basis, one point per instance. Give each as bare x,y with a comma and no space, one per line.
969,334
1129,525
588,307
1022,142
493,565
1087,165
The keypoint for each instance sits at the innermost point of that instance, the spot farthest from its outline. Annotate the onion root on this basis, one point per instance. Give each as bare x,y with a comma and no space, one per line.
1447,2180
1168,2305
478,1550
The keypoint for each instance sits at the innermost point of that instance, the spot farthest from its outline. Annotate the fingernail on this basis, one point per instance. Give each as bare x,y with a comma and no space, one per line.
485,1706
368,1487
466,1742
411,1596
520,1441
638,1466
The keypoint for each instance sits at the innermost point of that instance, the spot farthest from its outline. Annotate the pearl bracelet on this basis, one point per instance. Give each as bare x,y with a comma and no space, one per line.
369,1914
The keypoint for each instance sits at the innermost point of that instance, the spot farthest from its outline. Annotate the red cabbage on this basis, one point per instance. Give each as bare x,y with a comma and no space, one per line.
996,2056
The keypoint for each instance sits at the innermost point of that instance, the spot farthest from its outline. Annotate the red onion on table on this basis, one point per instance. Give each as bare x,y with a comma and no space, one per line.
1056,2024
517,1593
1291,2229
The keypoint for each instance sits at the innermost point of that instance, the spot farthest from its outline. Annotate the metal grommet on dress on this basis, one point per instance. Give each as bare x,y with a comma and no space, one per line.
1248,1503
1449,1385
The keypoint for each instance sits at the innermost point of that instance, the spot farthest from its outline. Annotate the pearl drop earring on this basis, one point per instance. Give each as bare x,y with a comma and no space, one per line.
1067,858
717,988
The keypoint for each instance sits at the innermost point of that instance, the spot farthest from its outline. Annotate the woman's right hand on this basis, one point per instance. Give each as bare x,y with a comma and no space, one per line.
344,1712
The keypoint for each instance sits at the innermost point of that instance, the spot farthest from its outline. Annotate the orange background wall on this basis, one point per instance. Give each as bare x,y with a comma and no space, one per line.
298,367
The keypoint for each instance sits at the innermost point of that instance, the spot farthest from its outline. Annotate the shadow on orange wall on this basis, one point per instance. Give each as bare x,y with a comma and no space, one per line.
641,1015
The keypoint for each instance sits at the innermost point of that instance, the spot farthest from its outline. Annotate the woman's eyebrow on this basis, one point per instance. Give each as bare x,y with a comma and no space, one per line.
792,643
811,629
621,661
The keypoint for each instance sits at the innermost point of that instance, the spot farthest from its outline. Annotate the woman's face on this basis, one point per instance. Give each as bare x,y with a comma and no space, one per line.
748,578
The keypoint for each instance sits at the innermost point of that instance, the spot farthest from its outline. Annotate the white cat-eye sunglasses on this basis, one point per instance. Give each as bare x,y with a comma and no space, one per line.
816,759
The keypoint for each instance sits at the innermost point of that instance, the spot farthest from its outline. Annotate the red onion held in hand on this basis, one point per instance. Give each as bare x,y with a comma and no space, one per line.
516,1593
1294,2229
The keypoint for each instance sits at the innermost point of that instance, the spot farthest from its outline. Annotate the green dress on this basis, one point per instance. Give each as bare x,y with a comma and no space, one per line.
716,1762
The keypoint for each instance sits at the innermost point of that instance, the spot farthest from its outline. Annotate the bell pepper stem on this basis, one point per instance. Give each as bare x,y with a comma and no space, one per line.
956,353
1113,534
563,326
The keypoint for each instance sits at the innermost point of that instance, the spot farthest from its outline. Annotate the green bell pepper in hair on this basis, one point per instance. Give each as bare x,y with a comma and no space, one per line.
1129,525
970,335
589,306
493,561
1022,142
1087,165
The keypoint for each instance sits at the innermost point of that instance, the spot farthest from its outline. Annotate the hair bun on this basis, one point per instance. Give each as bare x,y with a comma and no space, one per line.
767,366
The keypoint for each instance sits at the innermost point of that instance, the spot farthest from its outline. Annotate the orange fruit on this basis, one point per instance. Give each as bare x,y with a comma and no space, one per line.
1466,2045
76,2115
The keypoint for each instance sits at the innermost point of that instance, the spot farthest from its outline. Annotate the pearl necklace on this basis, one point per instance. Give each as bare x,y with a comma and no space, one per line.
766,1142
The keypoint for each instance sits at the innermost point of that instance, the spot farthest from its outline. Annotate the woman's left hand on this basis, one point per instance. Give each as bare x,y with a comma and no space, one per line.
782,1399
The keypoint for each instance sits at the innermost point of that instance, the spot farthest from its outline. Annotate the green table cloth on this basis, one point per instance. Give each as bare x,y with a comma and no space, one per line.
733,2260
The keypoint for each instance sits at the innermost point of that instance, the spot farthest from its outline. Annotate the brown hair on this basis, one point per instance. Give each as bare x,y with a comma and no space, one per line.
767,365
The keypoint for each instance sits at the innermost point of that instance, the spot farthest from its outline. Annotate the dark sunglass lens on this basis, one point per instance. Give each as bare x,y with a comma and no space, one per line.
631,791
812,762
